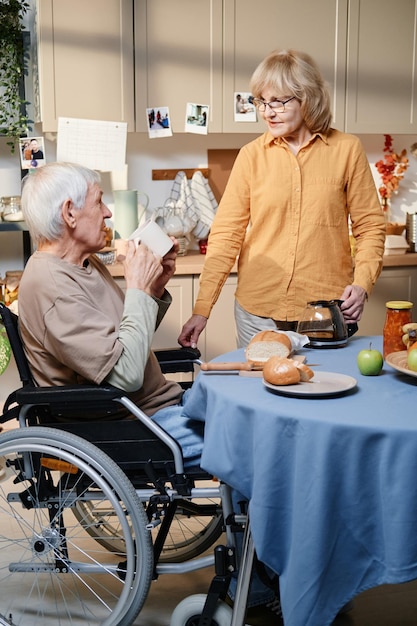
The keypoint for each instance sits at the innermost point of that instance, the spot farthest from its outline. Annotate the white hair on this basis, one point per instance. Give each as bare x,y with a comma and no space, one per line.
44,191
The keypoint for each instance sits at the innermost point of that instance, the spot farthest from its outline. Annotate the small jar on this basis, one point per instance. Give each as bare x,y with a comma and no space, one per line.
11,209
399,312
11,286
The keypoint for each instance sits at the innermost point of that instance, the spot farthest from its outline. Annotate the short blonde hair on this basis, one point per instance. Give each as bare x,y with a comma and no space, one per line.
293,73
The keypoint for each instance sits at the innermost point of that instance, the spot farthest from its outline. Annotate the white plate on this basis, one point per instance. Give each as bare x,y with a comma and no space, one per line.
398,360
322,384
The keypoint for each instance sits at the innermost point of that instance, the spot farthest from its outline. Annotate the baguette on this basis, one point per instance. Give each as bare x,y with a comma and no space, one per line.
283,371
265,344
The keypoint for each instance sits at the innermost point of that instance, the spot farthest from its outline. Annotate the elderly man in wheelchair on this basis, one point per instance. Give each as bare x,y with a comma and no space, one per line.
107,431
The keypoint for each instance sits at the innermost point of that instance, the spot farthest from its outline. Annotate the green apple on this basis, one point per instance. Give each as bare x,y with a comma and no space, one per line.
370,362
412,360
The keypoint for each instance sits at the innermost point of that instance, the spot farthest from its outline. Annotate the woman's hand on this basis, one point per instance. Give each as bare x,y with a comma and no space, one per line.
192,330
354,298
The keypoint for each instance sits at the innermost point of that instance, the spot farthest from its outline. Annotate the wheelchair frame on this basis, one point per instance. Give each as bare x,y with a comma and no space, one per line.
76,472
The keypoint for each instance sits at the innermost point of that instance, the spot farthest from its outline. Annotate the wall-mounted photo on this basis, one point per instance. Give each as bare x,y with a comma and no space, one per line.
245,110
196,118
159,123
32,152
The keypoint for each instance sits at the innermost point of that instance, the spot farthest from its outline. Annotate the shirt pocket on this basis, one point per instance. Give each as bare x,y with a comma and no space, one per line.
324,202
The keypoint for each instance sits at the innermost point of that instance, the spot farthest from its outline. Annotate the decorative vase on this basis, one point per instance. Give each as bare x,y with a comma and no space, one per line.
392,228
385,208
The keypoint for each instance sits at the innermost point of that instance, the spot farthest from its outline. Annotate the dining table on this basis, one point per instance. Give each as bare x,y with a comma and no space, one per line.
329,469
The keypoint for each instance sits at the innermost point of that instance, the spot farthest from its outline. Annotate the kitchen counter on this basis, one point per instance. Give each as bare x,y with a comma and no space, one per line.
188,265
192,263
408,259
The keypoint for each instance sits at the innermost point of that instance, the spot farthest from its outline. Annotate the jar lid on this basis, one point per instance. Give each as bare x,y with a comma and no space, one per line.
10,201
399,304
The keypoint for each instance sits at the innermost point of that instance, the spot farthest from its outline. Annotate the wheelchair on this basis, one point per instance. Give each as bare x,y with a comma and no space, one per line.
97,510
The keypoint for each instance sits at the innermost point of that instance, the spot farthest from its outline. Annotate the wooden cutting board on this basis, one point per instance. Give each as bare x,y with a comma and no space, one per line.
220,163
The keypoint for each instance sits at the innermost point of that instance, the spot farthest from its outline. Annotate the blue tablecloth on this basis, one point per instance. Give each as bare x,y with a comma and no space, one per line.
332,482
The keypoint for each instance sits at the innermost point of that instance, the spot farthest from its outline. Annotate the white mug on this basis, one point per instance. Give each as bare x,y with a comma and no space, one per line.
152,235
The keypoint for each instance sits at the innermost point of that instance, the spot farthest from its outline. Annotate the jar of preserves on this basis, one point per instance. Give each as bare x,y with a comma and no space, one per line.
11,286
399,312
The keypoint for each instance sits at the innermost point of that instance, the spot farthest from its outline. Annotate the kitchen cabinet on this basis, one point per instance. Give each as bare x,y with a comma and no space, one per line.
207,55
366,50
381,88
394,283
318,28
85,61
219,335
140,54
181,290
178,59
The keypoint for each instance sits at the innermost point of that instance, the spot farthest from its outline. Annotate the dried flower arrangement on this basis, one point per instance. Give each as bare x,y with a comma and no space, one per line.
392,169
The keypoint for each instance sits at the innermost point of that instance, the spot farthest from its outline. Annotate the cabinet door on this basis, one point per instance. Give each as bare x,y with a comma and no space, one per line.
178,57
252,31
85,61
381,71
220,333
181,290
398,283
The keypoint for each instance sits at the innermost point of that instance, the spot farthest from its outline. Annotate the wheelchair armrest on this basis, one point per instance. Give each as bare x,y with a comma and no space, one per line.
80,394
178,359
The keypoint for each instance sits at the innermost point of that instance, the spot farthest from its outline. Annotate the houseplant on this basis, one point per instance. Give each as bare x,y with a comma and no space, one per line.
13,67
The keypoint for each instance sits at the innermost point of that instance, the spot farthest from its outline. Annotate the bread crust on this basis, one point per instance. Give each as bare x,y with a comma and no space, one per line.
306,373
283,371
265,344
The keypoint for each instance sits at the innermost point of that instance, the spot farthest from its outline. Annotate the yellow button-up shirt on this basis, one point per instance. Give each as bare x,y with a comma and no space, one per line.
286,218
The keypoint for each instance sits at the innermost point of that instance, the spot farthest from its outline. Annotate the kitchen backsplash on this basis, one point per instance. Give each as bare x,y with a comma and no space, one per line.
189,151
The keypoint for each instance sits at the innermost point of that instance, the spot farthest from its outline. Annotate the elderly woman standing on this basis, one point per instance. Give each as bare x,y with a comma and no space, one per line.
76,324
285,211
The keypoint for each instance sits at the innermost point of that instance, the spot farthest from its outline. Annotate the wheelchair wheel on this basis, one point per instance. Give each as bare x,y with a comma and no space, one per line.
188,612
50,569
192,531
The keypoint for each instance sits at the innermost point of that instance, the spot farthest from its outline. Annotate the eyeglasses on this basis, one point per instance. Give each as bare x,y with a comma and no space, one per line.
278,106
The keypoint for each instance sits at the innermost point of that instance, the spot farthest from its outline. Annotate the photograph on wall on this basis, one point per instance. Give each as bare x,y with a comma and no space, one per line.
159,122
32,152
196,118
245,110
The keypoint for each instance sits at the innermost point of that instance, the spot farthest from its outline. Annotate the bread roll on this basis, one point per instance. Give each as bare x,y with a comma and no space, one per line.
265,344
306,373
283,371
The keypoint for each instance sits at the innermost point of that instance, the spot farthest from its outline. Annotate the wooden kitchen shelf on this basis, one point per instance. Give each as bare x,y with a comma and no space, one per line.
16,227
171,174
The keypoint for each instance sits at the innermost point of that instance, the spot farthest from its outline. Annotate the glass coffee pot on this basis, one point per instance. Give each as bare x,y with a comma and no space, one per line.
323,322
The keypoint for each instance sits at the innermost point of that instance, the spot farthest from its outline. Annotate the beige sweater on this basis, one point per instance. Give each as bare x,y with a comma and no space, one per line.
72,319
